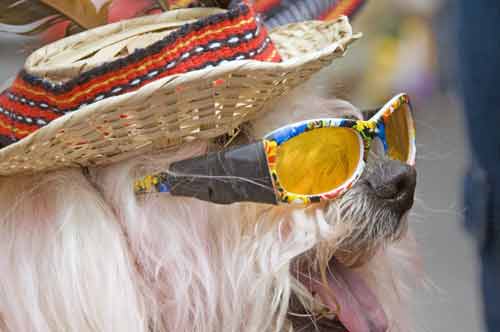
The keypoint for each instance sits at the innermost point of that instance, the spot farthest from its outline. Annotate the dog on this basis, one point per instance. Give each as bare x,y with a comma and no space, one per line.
82,252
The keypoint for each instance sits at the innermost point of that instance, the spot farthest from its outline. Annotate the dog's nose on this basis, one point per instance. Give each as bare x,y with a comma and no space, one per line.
395,185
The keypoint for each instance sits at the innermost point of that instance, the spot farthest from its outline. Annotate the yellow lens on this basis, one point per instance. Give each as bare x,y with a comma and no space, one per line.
318,161
397,132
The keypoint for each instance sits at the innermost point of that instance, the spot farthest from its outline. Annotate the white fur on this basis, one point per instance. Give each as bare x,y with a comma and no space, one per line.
64,263
82,257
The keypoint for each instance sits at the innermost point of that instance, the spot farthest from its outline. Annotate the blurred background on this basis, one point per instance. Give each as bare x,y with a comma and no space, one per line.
408,45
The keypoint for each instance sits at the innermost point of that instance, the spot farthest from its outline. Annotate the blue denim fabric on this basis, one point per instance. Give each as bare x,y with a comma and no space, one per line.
479,65
490,278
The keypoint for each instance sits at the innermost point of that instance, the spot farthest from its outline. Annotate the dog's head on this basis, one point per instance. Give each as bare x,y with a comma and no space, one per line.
253,267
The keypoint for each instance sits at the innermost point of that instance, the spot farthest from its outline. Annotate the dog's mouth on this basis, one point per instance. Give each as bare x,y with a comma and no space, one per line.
350,304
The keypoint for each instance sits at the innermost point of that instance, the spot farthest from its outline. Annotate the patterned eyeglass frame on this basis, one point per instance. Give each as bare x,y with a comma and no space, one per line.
248,173
367,131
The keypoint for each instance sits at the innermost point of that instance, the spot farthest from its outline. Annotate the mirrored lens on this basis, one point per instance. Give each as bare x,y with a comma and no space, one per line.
318,161
397,132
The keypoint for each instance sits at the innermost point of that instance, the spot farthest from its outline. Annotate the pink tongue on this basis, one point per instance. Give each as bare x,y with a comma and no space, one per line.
359,309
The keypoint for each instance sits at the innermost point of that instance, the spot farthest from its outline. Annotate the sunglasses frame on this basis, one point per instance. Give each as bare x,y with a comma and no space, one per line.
247,173
366,131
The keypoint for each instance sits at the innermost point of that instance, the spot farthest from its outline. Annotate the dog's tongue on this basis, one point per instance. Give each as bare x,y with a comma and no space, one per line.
359,309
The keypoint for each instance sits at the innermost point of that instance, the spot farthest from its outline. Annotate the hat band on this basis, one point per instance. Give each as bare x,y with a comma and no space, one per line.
32,102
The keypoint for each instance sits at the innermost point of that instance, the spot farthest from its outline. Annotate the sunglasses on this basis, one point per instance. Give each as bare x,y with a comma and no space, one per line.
305,162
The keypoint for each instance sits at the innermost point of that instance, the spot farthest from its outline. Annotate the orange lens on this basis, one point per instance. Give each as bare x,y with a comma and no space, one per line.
397,133
318,161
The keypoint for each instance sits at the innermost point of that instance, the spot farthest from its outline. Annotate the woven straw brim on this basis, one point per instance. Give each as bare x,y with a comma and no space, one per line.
197,105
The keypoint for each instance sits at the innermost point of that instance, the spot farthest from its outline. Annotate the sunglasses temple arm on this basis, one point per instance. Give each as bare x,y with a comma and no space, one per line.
239,174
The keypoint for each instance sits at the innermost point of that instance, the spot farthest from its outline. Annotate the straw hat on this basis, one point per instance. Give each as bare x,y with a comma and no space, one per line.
154,82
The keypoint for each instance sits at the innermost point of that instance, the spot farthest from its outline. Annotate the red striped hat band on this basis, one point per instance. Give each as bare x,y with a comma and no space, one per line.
33,102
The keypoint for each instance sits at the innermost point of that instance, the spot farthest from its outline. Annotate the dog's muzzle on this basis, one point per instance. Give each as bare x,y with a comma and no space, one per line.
394,186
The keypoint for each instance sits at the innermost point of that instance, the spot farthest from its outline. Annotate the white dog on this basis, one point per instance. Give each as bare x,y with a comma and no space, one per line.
80,252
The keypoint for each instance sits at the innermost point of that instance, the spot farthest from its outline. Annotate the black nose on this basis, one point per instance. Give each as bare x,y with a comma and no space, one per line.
394,183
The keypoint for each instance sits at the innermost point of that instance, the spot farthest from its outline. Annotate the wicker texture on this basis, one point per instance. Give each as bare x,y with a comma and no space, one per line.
197,105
